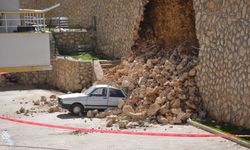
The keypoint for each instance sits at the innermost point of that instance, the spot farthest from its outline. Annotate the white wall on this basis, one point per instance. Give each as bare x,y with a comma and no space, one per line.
10,5
24,49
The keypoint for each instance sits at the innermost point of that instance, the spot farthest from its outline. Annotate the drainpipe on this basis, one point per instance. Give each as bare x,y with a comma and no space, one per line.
6,23
93,70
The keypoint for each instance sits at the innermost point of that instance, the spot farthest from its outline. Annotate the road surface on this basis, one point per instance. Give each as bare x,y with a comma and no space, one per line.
15,136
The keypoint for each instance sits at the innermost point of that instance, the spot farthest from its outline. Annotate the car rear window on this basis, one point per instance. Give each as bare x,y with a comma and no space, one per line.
115,93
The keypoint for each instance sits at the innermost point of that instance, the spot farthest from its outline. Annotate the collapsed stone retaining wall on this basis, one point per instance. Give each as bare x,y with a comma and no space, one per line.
224,77
171,22
118,22
67,75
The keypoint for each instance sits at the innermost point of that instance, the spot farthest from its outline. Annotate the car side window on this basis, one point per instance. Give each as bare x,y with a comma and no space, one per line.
115,93
99,92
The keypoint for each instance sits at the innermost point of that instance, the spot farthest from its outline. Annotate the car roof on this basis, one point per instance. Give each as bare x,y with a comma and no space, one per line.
104,86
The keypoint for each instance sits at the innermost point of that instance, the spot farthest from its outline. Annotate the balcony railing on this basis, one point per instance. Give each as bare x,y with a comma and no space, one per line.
24,22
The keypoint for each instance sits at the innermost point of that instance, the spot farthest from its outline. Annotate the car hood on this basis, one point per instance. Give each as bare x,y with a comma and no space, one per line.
74,95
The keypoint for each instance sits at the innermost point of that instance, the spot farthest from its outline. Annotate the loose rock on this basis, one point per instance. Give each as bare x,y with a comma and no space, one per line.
101,115
22,110
127,109
132,125
36,102
153,109
90,114
121,103
109,123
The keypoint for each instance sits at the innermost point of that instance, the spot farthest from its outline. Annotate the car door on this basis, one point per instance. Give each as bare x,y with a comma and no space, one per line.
114,96
98,98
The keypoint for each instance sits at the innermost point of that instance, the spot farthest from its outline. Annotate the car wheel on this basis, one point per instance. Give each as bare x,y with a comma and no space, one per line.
76,109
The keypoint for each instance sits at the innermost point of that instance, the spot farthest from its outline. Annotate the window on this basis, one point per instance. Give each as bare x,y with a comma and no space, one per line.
99,92
115,93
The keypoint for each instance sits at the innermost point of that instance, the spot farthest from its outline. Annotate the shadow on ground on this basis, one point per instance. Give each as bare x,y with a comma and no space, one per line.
68,116
17,87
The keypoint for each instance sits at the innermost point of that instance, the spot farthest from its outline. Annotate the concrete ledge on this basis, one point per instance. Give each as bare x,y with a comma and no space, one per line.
98,70
208,129
26,69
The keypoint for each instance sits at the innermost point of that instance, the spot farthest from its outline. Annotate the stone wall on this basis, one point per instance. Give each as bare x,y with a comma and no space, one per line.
71,75
75,38
118,25
2,81
67,75
170,22
31,78
223,29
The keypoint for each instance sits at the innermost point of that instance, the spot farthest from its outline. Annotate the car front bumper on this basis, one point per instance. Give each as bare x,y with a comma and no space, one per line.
65,106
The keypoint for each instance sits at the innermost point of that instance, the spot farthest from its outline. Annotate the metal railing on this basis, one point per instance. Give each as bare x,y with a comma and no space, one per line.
71,24
15,21
35,19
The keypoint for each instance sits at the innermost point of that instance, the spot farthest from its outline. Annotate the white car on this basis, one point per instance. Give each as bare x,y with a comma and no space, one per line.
96,97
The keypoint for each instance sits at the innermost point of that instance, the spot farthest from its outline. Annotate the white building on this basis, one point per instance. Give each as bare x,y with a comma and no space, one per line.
24,44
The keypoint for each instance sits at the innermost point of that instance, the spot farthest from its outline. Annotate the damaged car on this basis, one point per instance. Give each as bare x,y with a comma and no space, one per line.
100,96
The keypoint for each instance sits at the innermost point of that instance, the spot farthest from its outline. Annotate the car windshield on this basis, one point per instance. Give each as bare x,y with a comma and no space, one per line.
89,90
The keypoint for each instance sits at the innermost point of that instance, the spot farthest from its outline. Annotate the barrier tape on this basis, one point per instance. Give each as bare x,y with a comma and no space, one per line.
118,131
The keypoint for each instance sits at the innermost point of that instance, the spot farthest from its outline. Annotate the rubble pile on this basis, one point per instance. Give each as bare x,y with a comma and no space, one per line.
158,74
160,84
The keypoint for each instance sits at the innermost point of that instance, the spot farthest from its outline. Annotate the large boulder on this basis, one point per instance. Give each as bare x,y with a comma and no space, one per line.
138,116
127,109
121,103
153,109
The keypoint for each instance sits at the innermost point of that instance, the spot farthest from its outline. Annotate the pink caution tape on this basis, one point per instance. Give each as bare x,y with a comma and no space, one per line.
118,131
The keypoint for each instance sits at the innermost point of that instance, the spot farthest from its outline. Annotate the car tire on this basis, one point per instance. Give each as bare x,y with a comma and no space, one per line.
77,109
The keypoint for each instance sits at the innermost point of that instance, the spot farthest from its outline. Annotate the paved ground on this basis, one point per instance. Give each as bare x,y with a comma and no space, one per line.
14,136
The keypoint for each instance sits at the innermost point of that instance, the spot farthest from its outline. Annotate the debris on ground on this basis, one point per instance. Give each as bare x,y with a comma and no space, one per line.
79,132
44,104
90,114
160,84
22,110
36,102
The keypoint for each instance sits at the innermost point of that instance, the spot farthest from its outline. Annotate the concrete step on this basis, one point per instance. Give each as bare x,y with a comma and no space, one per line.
110,61
105,66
